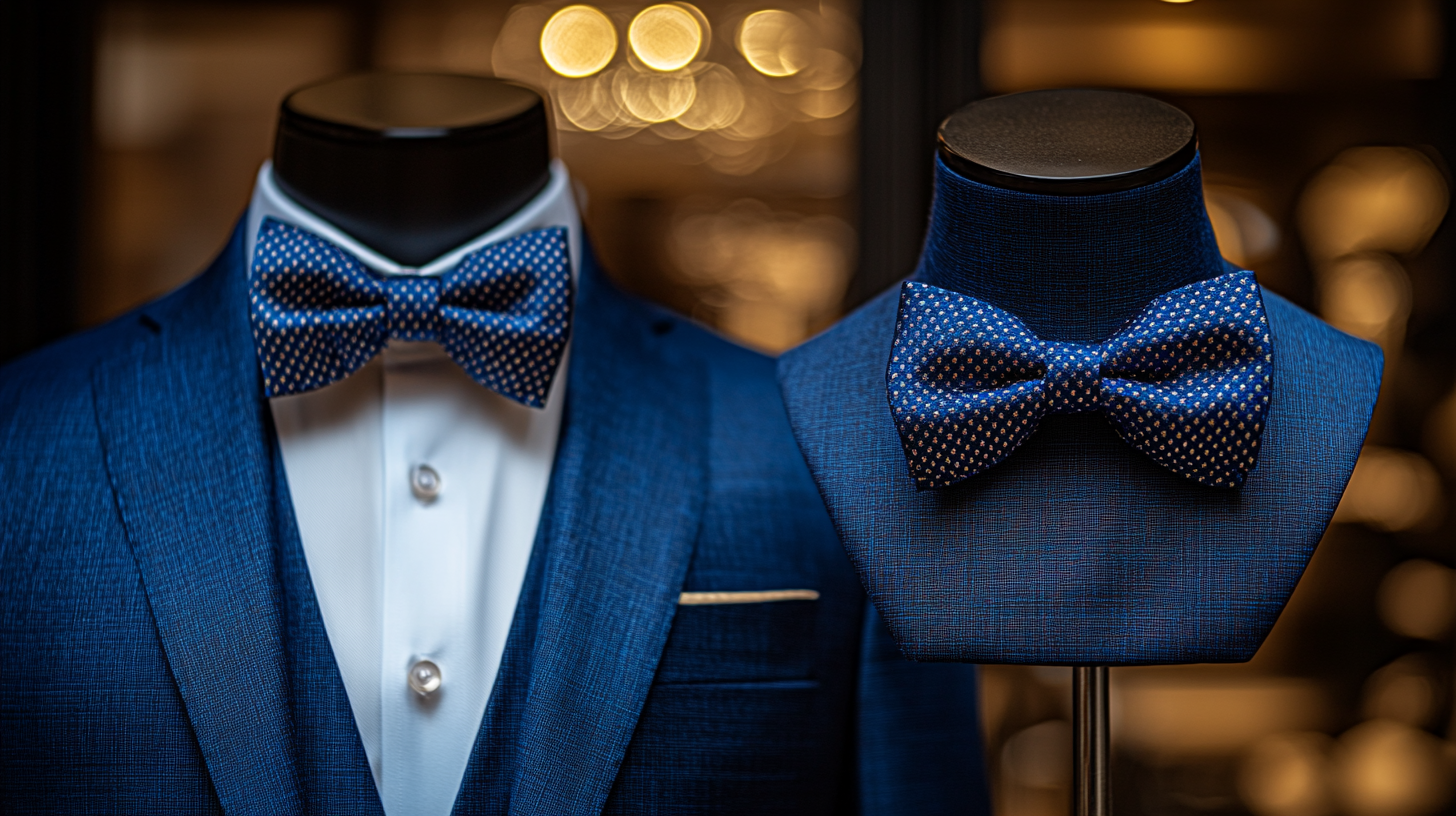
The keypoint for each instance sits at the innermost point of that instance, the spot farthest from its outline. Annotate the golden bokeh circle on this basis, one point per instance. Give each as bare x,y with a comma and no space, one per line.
665,37
578,41
775,42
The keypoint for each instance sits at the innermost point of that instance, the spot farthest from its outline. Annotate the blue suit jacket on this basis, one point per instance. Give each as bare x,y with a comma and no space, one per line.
142,650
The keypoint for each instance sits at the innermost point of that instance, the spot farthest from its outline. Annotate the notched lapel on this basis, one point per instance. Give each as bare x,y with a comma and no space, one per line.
626,498
184,436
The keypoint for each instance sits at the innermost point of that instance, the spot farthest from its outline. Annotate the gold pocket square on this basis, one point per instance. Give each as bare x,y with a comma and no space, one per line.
750,596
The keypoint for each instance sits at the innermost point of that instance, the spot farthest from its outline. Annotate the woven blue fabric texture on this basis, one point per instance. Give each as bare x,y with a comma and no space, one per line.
333,770
1056,262
1186,382
503,313
160,651
1078,548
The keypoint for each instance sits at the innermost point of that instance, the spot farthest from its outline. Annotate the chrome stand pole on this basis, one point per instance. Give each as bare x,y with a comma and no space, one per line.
1091,746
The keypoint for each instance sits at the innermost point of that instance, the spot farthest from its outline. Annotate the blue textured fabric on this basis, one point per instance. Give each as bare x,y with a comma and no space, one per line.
333,770
160,651
1186,382
1072,268
503,313
1078,549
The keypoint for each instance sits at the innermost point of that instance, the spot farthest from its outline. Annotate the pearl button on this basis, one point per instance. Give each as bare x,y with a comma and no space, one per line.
425,483
424,677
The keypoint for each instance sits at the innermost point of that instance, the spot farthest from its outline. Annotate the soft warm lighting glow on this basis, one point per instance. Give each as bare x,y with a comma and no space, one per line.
1039,756
578,41
1177,1
1391,490
1287,774
654,97
1417,599
1366,295
1405,691
1245,233
776,43
1385,768
718,103
1169,715
665,37
1385,199
776,277
589,104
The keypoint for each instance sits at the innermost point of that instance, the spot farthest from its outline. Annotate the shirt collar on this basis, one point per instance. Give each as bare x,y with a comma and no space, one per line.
554,206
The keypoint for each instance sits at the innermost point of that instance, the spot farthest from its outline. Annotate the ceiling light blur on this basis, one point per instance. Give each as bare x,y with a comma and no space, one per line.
776,43
665,37
578,41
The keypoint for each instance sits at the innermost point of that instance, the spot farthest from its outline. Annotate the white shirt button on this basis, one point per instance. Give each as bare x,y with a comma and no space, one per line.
424,677
425,483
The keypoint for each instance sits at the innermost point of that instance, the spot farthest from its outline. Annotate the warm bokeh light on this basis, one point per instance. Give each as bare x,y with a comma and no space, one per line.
1245,233
1417,599
1386,768
776,43
654,97
578,41
1392,490
665,37
1261,47
1168,715
1384,199
1287,774
1367,295
589,104
1039,756
1407,690
718,102
776,276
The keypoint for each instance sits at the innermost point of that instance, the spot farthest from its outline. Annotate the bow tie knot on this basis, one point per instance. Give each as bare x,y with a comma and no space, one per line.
1073,377
1187,381
412,307
503,313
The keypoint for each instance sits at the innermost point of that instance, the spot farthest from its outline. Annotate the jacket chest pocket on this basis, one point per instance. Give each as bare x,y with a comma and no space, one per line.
735,637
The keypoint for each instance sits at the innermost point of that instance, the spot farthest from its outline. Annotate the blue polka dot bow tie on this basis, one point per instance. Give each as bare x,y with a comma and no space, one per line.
503,314
1186,382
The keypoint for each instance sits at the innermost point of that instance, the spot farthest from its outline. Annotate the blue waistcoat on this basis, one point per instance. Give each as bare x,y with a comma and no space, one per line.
161,649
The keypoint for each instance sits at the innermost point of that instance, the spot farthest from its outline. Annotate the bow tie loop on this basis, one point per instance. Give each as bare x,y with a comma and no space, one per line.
503,313
1187,381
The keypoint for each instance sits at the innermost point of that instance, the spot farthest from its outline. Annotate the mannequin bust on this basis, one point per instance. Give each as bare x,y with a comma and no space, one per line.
1073,210
1066,183
413,165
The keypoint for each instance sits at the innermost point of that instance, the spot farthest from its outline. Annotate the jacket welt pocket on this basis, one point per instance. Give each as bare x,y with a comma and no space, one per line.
736,640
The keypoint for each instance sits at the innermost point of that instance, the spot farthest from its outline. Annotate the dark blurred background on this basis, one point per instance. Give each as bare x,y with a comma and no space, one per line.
763,167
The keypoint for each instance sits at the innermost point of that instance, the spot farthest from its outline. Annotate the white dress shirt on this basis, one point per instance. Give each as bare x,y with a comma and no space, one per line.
400,575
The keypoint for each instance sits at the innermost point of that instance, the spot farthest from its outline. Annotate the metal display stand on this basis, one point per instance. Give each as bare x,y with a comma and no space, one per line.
1091,744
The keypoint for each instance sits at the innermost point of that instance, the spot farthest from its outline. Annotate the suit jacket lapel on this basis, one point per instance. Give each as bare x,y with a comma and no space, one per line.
626,497
181,418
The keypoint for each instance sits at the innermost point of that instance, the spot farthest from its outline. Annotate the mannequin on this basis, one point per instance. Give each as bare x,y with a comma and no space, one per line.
1097,237
1090,158
1073,211
413,165
401,589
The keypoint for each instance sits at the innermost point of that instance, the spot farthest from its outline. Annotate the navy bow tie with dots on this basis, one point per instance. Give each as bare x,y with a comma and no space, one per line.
1186,382
503,314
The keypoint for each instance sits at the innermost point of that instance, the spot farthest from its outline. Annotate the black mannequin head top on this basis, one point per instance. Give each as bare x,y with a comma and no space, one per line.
412,165
1070,208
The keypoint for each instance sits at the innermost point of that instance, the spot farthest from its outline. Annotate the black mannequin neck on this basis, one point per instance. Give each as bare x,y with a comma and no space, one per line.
1074,267
412,165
